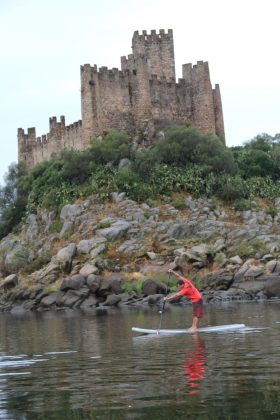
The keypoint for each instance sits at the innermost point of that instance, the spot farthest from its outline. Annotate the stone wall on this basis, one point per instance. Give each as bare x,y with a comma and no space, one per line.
140,99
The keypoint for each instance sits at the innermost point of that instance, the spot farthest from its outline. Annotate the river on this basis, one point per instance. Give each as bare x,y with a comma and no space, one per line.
75,365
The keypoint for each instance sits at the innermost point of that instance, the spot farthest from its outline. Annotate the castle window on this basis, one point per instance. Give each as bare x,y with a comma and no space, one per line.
134,72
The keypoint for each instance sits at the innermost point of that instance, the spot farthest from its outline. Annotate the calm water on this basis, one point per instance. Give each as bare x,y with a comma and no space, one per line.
72,365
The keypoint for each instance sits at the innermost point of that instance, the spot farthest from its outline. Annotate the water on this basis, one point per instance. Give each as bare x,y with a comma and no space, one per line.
73,365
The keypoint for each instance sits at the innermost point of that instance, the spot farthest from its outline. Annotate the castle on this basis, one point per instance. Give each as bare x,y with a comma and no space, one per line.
142,99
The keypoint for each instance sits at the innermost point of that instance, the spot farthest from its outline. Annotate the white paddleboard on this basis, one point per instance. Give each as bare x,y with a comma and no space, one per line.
203,329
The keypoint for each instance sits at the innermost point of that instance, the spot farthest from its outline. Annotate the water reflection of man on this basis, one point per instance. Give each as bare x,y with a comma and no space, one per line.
194,365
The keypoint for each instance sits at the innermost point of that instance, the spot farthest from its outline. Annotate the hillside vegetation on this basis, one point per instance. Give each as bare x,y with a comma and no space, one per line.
184,161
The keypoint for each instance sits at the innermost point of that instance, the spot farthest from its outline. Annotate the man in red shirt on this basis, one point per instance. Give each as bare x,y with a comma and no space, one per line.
190,291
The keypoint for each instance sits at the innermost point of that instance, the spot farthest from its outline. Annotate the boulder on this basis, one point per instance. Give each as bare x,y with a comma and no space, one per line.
88,269
125,163
116,231
110,284
93,282
66,253
75,282
90,302
112,300
48,274
69,298
86,245
272,287
9,282
49,300
253,272
67,227
152,287
270,266
154,299
236,260
17,257
32,229
70,212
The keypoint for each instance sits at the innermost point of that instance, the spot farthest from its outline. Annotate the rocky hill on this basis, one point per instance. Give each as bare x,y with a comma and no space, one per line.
98,254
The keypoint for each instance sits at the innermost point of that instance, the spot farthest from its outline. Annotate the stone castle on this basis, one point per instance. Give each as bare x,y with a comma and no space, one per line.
142,99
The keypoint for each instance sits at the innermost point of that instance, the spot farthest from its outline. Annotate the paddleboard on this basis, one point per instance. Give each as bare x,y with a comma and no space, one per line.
216,328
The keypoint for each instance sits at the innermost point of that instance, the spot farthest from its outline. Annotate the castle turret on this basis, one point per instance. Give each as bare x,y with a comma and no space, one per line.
199,85
26,146
158,50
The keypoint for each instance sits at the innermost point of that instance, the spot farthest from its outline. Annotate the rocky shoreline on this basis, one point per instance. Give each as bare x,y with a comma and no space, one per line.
116,253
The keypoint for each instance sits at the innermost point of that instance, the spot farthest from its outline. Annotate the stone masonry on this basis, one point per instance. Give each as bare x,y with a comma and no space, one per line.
142,99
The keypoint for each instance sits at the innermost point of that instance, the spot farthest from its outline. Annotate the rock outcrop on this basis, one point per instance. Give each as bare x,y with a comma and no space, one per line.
118,253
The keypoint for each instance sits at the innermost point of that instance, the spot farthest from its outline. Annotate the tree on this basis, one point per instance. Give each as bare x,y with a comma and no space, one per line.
13,198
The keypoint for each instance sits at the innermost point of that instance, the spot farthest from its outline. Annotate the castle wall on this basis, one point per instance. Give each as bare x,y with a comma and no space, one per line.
140,99
33,150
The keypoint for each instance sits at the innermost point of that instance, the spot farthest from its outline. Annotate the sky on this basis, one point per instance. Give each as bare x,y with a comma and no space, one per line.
44,42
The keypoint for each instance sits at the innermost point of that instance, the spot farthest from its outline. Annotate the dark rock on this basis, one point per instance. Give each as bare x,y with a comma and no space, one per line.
111,284
154,299
90,302
112,300
71,298
9,282
152,287
49,300
219,281
272,287
93,282
75,282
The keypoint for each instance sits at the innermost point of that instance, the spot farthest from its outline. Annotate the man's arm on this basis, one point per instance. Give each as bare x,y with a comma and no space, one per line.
175,295
176,274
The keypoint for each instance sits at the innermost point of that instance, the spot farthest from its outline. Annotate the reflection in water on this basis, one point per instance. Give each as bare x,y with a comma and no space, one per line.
72,365
194,364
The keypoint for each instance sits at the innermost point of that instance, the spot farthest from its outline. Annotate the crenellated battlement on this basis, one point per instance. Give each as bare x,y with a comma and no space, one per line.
150,37
139,98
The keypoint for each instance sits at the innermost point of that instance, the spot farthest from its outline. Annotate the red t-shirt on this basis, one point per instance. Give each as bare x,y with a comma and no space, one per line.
189,290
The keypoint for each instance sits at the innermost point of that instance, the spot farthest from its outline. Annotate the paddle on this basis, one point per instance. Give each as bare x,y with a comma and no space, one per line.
163,305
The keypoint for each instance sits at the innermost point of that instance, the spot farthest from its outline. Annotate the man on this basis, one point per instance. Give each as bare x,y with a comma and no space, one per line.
191,292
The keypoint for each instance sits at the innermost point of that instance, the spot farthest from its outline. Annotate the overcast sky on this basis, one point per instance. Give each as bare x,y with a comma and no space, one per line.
44,42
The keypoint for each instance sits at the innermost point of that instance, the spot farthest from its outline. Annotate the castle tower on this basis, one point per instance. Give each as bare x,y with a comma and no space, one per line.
206,103
158,50
26,146
89,93
219,119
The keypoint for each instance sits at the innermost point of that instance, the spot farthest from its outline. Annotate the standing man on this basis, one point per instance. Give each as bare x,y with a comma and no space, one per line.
190,291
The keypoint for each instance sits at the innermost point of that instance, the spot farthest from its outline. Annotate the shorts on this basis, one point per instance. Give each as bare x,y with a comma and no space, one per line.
198,309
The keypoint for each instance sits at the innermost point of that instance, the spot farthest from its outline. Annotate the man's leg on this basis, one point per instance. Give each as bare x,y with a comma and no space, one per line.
197,313
194,326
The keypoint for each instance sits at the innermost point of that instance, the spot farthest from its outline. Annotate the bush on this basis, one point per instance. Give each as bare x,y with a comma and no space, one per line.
114,147
230,189
38,263
242,205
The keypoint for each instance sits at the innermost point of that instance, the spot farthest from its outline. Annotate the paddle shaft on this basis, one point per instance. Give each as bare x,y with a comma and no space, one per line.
162,308
161,313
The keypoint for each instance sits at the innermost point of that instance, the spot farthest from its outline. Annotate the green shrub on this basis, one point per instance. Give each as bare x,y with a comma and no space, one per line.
254,249
272,211
103,225
179,204
38,263
242,205
230,189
